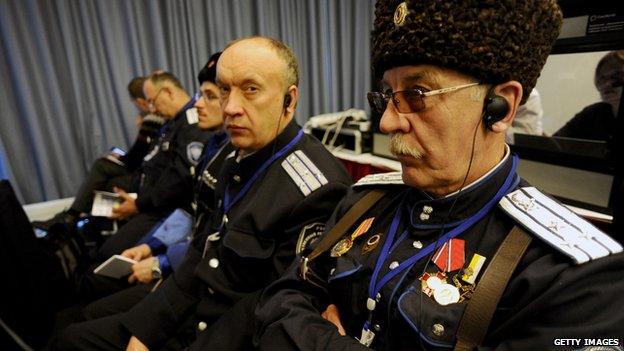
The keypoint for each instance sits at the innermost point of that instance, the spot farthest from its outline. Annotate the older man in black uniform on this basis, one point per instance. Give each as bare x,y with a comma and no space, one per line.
165,181
424,266
273,196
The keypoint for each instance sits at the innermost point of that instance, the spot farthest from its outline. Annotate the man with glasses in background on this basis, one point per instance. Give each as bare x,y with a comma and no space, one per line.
165,181
457,250
116,169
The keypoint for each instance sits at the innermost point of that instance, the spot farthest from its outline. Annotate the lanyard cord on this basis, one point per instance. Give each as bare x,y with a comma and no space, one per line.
226,197
375,287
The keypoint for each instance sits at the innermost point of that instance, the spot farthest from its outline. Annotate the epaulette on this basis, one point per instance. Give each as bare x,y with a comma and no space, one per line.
558,226
390,178
303,172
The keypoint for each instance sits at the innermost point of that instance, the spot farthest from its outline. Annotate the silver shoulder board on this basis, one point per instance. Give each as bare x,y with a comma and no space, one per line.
558,226
381,179
303,172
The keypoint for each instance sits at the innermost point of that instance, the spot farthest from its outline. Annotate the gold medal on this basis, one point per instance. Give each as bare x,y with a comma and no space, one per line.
371,243
345,244
341,247
446,294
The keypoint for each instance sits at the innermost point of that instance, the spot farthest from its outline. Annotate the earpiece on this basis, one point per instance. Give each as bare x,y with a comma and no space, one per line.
287,100
495,108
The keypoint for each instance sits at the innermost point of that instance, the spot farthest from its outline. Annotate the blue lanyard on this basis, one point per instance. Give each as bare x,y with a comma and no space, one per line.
226,197
375,287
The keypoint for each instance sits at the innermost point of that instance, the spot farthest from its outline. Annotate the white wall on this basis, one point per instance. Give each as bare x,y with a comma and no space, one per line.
566,86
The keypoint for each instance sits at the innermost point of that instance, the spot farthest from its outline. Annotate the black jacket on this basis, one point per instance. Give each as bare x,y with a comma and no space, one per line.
548,297
256,244
165,181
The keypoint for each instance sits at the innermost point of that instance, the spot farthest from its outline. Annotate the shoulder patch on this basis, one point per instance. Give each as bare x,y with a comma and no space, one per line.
303,172
192,117
193,152
395,178
308,236
558,226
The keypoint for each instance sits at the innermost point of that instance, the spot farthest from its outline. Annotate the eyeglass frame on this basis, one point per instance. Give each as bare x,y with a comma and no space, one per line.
203,96
151,102
418,92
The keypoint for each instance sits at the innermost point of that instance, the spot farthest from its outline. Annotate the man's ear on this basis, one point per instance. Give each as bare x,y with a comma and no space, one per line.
290,102
511,91
142,103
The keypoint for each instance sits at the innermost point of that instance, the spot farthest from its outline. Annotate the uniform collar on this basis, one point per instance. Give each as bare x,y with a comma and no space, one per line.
182,112
427,212
244,168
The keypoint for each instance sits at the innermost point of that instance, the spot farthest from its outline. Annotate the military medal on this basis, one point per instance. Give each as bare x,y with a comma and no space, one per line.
446,294
472,271
345,244
450,257
429,282
341,247
371,243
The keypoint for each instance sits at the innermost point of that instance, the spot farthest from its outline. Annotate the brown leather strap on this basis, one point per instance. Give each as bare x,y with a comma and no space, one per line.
338,231
349,218
478,314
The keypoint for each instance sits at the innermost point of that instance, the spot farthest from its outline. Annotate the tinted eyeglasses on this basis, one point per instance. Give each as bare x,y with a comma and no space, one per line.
407,101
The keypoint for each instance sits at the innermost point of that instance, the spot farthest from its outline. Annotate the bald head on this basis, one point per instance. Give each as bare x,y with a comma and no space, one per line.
257,79
290,68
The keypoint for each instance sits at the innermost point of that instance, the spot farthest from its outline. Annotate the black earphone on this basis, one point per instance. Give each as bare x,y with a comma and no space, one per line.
287,100
495,108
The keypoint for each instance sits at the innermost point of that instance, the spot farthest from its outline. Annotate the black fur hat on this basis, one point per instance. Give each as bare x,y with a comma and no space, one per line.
491,40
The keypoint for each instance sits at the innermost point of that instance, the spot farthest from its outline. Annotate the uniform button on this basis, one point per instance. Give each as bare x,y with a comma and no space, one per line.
214,263
424,217
202,326
438,329
236,178
377,327
417,244
394,265
210,291
427,209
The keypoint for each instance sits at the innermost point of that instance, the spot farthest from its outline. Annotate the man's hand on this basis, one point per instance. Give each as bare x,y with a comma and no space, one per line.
127,208
136,345
142,271
138,253
332,315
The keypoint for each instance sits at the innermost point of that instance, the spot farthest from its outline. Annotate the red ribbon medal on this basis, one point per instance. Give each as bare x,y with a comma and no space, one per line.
450,257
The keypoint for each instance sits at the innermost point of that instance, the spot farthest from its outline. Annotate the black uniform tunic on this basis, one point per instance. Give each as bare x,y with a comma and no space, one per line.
165,181
255,245
548,297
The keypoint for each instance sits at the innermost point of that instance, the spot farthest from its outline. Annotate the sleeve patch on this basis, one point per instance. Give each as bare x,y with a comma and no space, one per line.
558,226
308,236
303,172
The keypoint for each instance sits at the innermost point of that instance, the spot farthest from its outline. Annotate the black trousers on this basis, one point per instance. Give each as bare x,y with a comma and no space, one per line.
118,302
103,175
234,331
129,234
